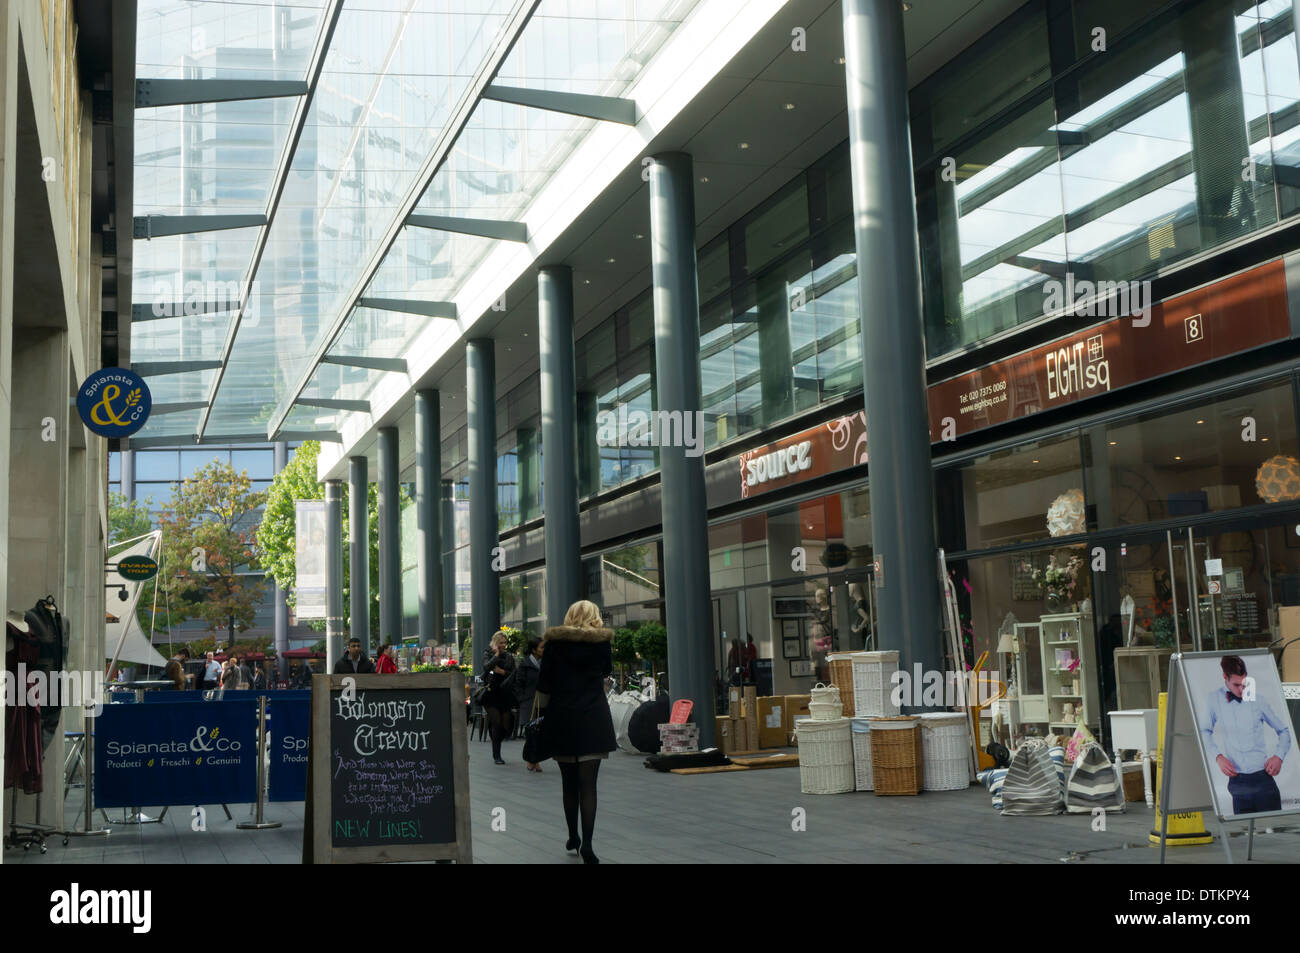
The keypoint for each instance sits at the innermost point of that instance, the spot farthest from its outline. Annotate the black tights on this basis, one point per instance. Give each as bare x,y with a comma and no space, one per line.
579,783
500,724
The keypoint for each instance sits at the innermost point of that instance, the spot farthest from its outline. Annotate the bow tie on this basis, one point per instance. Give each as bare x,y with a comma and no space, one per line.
1232,697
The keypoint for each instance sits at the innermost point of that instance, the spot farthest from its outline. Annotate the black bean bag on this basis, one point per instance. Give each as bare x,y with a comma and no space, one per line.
643,727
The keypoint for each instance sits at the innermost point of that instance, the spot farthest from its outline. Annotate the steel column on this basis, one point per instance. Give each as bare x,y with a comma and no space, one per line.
281,597
559,437
428,487
333,572
481,417
390,541
359,549
677,366
893,344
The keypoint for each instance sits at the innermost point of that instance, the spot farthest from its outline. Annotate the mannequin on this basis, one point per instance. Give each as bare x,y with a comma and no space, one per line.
859,600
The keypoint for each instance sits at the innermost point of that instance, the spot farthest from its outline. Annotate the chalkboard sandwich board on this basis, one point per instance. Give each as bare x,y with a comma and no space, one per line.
388,769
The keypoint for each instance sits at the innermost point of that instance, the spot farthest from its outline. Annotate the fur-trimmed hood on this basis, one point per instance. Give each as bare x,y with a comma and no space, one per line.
571,633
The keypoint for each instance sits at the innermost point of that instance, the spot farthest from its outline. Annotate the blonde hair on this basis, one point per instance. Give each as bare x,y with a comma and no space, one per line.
499,637
584,615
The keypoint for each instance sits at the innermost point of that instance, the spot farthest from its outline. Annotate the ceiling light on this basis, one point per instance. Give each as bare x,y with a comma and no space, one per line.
906,6
638,236
609,260
1264,439
840,60
1200,421
586,281
789,106
1113,442
1035,461
744,145
704,178
1177,458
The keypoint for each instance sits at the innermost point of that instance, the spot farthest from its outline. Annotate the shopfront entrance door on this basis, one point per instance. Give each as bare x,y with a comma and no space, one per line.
1206,587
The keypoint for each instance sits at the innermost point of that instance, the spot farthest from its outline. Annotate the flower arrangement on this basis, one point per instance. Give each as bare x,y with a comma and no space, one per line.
443,665
1061,583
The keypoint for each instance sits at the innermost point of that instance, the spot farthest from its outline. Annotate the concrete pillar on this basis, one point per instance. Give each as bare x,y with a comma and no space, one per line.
281,597
481,417
893,345
559,429
447,551
390,540
359,549
334,644
677,365
428,502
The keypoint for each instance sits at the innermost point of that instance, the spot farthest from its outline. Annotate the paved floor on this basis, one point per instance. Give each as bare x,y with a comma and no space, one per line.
648,817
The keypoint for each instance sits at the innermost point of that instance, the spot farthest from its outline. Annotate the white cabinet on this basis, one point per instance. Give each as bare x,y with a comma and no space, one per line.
1068,638
1031,696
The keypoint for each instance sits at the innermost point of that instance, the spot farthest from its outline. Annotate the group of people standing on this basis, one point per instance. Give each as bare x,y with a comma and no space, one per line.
560,677
235,672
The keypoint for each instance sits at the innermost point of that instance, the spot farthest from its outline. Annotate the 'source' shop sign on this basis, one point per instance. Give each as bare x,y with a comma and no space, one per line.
826,448
1235,315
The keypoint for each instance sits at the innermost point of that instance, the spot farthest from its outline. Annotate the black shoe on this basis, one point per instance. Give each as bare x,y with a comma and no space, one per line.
572,844
588,855
498,760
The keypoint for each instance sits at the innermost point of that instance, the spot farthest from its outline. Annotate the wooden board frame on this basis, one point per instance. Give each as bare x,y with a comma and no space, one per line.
319,807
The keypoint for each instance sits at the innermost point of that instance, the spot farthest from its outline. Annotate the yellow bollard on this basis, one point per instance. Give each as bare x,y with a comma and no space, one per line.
1184,829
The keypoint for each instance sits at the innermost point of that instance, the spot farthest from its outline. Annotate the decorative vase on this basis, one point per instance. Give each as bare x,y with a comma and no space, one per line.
1056,603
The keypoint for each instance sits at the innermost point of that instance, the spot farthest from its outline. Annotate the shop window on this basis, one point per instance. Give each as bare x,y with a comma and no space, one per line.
991,228
1157,139
993,74
726,556
259,464
1269,27
1012,496
1203,457
194,460
777,226
713,269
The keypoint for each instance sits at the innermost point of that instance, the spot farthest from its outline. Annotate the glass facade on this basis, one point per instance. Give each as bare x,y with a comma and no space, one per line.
1051,148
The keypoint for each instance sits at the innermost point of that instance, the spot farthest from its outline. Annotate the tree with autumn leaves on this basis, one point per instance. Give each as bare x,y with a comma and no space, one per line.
208,540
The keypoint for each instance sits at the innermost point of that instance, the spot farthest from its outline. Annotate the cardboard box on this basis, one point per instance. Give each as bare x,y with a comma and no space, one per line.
727,731
735,702
1288,624
771,722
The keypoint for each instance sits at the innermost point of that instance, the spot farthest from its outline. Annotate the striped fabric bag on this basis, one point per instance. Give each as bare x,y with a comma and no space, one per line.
1094,783
1032,785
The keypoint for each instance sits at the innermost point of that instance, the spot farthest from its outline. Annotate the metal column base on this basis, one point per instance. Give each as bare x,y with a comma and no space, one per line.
255,826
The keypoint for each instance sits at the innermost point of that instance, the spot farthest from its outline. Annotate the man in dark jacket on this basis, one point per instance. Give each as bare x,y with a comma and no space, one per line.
354,662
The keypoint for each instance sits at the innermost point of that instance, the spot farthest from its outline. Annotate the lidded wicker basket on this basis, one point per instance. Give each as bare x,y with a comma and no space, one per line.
824,703
897,761
841,665
861,729
873,687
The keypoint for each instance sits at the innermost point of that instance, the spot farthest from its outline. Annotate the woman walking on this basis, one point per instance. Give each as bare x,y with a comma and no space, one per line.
526,674
579,730
498,699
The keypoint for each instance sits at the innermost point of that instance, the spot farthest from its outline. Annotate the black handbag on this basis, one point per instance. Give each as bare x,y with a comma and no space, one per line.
535,748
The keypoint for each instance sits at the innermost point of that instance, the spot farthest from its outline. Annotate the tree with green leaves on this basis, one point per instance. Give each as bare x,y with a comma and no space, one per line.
651,640
277,536
208,547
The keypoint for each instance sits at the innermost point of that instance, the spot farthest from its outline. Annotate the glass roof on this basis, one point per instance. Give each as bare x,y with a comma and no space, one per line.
389,84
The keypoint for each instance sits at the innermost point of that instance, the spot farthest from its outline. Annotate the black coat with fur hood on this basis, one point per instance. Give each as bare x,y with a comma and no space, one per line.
575,662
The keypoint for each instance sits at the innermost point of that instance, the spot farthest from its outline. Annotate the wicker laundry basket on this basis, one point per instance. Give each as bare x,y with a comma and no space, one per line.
873,685
897,762
841,665
825,756
824,703
945,745
861,729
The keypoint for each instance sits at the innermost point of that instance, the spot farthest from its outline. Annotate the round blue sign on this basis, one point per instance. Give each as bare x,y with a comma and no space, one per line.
114,402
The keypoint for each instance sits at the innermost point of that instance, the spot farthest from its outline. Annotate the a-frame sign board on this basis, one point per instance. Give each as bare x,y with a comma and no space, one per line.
1194,739
387,775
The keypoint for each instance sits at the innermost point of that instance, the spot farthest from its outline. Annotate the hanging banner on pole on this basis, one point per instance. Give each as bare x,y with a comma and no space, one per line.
309,519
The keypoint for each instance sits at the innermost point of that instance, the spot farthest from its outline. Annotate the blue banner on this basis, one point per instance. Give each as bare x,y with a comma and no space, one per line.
289,726
178,754
272,694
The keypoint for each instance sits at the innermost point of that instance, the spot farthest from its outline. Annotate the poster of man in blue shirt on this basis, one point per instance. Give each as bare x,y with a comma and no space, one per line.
1247,737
